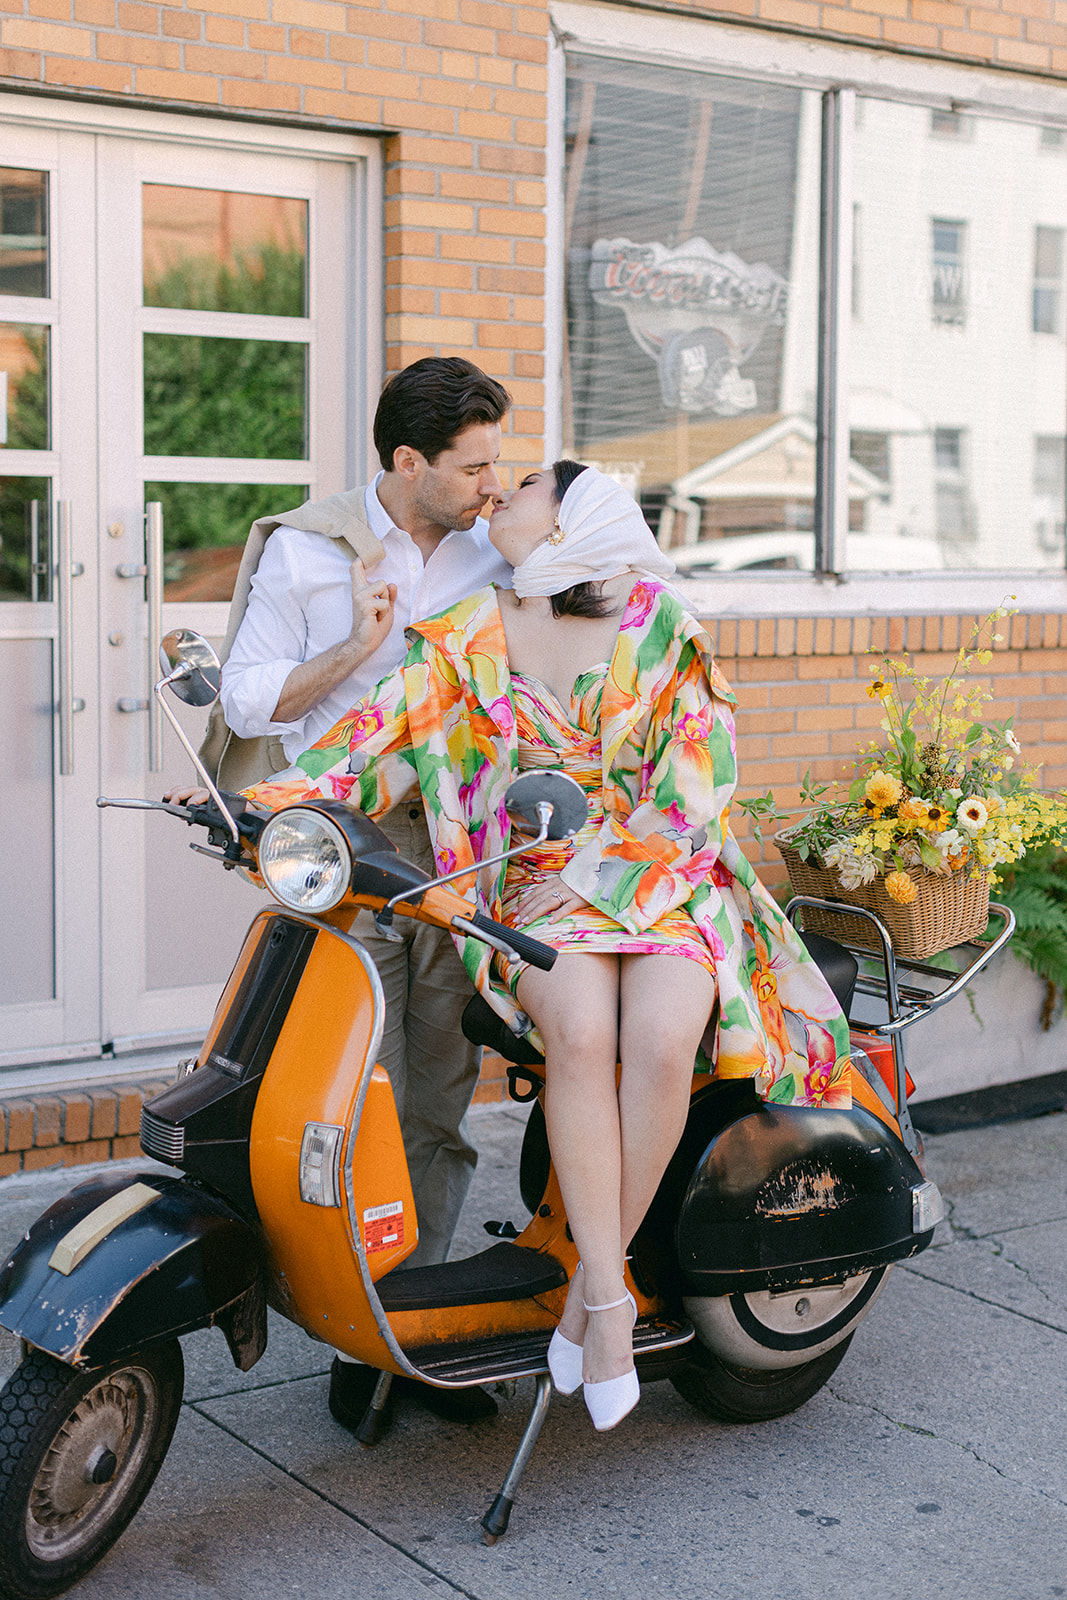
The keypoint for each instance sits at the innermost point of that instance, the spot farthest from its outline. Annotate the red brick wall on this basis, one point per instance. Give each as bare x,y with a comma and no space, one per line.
801,685
457,86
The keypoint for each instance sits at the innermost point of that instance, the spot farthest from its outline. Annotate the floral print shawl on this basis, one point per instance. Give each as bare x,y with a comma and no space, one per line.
444,723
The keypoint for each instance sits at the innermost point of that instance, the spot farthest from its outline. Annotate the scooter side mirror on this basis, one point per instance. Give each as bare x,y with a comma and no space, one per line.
198,683
531,792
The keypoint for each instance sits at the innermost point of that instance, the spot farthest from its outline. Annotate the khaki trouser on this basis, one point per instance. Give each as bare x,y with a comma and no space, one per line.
432,1067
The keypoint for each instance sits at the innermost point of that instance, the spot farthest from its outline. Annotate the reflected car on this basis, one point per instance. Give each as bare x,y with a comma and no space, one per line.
795,552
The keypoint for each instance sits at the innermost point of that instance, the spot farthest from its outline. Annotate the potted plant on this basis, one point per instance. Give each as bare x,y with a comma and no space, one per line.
934,808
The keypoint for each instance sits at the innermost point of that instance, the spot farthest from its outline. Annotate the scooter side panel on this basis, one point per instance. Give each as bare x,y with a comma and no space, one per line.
314,1076
176,1265
788,1190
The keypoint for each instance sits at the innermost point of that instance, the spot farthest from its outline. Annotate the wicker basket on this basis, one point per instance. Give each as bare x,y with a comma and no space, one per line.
947,910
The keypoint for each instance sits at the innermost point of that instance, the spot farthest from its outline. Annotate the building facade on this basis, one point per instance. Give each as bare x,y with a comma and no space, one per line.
795,272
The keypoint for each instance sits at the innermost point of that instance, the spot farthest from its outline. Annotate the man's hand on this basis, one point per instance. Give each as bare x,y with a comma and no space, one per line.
372,612
312,681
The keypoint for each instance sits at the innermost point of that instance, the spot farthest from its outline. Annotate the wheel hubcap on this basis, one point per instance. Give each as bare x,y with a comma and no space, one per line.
91,1459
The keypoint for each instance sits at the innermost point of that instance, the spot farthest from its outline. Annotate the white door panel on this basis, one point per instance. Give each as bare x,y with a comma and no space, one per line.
113,930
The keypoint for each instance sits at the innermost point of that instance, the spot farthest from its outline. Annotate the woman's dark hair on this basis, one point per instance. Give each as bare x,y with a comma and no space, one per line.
429,404
582,599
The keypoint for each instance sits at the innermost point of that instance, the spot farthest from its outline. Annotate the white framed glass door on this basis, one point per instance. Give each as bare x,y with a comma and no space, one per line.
49,926
182,324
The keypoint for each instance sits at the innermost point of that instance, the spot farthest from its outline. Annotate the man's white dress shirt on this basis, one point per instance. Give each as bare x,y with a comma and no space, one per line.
301,604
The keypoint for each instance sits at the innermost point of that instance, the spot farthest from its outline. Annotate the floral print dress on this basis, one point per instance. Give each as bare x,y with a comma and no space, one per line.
446,723
548,736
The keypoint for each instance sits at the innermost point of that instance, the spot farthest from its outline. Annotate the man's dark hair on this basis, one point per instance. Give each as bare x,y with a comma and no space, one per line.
429,404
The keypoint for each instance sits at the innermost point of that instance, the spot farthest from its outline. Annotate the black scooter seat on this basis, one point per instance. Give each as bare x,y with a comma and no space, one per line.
503,1272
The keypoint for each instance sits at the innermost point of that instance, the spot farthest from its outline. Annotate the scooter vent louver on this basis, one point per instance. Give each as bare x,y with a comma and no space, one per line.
161,1139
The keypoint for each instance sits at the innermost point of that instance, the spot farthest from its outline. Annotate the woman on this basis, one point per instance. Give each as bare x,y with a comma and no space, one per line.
590,664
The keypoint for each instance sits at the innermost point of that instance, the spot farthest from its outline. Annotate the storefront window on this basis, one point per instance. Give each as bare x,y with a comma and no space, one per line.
691,226
958,360
691,219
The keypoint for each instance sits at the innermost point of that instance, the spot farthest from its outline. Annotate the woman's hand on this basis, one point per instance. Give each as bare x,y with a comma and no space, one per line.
551,899
183,796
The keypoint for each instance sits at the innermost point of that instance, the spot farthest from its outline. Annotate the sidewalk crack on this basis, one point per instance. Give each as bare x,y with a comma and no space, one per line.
336,1505
941,1438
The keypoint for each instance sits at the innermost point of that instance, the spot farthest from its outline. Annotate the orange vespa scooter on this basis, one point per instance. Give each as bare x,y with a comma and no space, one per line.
767,1243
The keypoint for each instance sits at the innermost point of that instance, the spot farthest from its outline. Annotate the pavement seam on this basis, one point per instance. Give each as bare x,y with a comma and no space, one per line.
998,1305
468,1594
964,1449
268,1383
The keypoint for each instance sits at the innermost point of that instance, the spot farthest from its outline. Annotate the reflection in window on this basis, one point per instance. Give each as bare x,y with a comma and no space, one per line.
1048,280
689,361
224,397
950,125
23,386
955,523
1049,490
215,250
204,530
960,409
871,450
23,232
25,561
949,243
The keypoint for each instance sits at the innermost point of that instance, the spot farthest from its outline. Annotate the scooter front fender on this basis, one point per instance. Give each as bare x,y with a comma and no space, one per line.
87,1289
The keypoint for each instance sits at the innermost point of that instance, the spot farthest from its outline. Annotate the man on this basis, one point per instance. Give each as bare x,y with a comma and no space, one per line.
319,631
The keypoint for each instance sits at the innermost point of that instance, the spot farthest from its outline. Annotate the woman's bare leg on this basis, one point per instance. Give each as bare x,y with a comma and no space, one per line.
665,1003
576,1009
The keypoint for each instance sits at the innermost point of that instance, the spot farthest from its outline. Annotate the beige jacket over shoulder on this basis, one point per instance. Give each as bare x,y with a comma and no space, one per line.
233,762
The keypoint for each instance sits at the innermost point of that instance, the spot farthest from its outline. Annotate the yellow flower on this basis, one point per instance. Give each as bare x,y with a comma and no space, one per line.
879,689
936,817
914,810
882,789
899,887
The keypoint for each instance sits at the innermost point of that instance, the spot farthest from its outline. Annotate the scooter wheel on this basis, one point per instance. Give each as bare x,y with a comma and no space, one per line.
78,1453
742,1394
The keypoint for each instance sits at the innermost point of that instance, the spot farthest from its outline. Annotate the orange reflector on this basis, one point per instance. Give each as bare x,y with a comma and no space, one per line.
881,1053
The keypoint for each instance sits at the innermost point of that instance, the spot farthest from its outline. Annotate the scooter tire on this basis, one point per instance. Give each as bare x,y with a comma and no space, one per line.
78,1453
726,1393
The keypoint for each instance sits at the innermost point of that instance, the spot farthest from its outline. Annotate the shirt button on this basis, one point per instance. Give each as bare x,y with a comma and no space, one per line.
415,811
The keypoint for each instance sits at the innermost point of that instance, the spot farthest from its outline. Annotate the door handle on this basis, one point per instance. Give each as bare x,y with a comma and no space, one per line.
153,552
66,571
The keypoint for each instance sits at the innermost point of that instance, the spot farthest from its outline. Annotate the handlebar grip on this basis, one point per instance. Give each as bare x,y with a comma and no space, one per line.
531,950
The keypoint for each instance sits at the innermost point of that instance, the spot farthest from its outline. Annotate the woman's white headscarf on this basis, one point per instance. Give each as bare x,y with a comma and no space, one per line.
603,535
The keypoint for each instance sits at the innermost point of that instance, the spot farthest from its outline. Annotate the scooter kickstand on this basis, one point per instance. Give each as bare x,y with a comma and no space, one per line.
495,1521
375,1422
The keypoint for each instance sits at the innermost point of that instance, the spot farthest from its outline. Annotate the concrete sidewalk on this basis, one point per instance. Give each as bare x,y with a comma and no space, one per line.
933,1464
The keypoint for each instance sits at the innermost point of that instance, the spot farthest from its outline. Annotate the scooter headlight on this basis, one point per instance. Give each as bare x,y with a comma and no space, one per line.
305,860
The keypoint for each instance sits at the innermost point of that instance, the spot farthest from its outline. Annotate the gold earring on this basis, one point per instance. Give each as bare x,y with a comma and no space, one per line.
557,536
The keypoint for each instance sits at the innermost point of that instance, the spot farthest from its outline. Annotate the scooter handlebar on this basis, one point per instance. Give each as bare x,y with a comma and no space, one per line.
531,950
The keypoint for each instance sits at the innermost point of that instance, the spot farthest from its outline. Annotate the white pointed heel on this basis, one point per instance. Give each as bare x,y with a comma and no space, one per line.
565,1358
608,1402
564,1363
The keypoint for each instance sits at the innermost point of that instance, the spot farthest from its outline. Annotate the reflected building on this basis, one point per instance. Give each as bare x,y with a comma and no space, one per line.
692,216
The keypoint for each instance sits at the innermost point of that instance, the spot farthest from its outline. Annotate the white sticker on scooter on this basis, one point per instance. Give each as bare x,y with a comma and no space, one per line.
383,1227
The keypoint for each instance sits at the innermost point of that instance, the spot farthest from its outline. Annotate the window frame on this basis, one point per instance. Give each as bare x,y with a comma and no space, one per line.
839,72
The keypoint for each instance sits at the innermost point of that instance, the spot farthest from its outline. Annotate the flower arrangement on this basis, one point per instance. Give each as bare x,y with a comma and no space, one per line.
942,793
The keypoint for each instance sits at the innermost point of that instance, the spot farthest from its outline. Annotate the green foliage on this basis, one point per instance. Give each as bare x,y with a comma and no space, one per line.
27,423
224,397
267,282
205,516
1036,890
